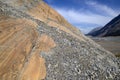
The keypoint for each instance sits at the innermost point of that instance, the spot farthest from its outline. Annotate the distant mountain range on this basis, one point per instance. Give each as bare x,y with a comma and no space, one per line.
93,31
110,29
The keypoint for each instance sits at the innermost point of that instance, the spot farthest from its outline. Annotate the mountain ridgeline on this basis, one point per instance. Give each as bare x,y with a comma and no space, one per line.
93,31
37,43
110,29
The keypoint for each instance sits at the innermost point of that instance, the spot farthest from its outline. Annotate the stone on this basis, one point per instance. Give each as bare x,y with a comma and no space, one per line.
37,43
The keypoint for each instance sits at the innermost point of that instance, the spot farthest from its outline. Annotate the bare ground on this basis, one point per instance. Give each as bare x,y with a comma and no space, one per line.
111,44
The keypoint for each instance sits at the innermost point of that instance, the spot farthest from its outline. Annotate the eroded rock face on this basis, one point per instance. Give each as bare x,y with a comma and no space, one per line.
37,43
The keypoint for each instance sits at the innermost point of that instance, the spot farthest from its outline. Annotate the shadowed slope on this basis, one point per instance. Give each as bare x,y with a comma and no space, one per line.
110,29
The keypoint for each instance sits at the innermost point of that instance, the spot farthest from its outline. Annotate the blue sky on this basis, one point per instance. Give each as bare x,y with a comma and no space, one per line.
86,14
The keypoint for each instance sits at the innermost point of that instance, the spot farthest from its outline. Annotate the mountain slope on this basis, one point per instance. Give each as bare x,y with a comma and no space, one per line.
93,31
34,46
110,29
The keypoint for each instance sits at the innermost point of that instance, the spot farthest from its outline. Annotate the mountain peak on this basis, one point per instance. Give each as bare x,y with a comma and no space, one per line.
110,29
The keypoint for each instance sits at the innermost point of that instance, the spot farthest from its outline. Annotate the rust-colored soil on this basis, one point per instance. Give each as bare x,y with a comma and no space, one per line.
35,67
20,42
46,14
20,47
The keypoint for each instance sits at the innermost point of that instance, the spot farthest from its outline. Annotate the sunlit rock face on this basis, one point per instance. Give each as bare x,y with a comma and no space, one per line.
36,43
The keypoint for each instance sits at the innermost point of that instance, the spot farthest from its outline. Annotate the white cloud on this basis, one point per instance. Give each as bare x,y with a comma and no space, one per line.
88,17
76,17
103,8
85,29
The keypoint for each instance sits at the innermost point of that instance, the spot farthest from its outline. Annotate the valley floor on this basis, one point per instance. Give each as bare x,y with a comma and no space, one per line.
111,44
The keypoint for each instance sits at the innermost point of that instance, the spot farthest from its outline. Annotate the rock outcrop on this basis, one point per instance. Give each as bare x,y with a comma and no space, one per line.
36,43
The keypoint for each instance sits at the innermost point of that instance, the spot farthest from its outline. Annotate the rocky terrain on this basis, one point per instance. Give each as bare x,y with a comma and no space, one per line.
36,43
110,29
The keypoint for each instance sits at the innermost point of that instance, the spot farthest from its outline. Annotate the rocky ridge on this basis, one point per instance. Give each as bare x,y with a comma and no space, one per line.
93,31
112,28
35,47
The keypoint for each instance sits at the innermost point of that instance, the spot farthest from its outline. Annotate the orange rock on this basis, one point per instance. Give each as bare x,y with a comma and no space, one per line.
17,38
35,68
45,43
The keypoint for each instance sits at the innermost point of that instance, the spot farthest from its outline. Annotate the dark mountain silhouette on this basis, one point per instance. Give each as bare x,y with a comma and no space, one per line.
93,31
110,29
